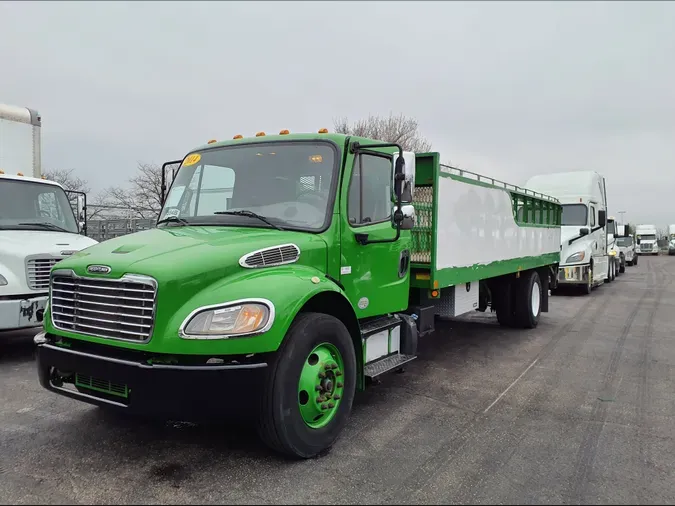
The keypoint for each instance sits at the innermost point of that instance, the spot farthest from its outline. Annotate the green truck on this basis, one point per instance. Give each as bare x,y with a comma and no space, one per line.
284,273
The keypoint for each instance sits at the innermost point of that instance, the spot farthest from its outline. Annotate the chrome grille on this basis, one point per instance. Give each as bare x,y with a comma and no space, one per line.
111,308
37,272
268,257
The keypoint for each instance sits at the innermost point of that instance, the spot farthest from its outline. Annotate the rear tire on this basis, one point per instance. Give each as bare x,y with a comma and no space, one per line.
528,300
286,399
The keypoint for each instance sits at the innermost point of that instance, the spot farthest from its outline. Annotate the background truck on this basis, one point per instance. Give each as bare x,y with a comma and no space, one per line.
626,244
584,256
615,254
647,242
37,224
671,239
286,271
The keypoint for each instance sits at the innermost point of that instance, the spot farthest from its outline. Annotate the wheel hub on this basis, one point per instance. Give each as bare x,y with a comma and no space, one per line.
321,385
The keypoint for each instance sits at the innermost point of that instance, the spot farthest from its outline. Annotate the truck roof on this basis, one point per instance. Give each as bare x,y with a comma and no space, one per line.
30,179
337,138
569,185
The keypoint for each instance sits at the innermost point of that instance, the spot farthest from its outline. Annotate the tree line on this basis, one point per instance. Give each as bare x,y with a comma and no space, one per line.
141,197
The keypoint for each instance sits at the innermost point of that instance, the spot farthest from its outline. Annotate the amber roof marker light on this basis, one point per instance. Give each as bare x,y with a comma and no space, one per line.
323,131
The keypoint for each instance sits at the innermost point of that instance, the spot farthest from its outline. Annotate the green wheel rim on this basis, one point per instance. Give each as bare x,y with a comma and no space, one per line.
321,385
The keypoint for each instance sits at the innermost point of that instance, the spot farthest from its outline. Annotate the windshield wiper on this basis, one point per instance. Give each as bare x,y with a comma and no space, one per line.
250,214
173,219
44,224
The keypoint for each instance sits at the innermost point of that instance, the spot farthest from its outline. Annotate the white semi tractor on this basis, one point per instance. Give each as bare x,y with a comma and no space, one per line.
671,239
37,224
586,258
647,241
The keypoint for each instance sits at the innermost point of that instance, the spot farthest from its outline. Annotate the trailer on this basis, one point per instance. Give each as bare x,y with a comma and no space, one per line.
285,273
38,226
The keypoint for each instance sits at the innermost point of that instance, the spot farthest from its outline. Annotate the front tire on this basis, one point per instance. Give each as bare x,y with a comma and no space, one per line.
588,287
310,387
635,260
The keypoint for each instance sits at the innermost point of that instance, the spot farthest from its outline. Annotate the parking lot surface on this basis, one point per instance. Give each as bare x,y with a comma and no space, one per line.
579,410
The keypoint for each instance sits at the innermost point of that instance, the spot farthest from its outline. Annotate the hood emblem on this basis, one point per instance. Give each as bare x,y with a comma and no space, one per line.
98,269
68,252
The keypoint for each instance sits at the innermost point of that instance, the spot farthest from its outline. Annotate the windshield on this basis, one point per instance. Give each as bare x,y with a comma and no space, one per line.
624,241
574,214
289,184
25,205
647,237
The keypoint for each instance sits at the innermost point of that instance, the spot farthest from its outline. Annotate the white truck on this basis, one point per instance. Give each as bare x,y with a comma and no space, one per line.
37,224
626,245
671,239
647,242
613,248
585,254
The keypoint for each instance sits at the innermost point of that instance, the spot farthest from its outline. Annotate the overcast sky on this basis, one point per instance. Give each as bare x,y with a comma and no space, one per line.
504,89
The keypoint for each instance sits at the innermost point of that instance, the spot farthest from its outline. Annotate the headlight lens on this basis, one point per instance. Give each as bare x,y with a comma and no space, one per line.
612,253
3,280
576,257
226,321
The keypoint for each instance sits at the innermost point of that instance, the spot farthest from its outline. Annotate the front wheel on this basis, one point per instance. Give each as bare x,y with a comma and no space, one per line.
588,287
310,389
635,259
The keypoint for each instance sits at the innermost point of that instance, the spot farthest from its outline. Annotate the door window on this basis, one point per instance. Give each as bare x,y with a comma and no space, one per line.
369,199
592,216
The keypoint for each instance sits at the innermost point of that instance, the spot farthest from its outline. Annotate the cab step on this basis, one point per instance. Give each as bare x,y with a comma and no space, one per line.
386,364
379,324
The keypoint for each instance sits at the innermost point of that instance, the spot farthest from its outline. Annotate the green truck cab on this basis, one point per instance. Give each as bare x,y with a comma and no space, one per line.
283,272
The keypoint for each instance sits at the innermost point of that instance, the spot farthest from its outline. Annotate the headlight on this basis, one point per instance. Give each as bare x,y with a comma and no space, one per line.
3,280
576,257
612,253
234,319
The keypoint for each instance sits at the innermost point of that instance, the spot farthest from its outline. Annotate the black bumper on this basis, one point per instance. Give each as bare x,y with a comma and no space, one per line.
186,392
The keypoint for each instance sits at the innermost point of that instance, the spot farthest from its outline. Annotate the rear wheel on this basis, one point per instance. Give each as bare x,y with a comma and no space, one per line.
528,300
310,389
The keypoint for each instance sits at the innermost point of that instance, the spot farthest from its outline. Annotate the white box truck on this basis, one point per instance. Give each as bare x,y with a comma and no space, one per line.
585,254
37,224
645,236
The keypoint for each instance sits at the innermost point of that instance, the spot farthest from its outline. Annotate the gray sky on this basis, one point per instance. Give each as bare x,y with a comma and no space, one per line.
505,89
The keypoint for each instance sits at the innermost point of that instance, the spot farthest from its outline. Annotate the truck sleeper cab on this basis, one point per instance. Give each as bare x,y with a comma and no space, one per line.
284,272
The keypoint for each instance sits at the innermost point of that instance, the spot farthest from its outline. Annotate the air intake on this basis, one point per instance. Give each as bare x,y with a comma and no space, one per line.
270,257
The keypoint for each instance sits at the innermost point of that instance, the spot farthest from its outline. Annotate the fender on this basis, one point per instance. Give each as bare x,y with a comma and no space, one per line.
288,288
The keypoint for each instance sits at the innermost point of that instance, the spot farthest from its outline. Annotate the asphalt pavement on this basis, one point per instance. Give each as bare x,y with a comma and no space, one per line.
579,410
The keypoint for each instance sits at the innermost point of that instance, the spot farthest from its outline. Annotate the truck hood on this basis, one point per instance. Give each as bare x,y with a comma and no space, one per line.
192,256
31,242
583,244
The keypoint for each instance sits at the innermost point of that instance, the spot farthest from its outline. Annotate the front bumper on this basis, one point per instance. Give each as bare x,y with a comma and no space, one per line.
128,382
573,274
22,313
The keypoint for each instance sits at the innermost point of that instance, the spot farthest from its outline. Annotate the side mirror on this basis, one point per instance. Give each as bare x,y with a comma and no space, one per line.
584,231
405,216
638,240
82,214
602,218
404,176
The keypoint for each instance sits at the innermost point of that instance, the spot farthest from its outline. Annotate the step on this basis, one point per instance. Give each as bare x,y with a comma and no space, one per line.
386,364
377,325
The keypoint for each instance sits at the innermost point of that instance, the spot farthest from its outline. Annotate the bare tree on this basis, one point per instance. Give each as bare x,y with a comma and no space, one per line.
143,198
395,128
66,179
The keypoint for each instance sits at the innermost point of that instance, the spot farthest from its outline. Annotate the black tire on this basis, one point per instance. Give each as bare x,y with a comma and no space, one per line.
280,424
635,260
526,316
629,263
622,265
506,314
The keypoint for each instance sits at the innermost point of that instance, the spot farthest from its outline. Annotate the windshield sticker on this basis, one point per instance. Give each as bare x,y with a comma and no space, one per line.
192,159
173,211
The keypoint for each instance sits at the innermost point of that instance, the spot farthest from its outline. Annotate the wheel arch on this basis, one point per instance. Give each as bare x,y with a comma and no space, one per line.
335,304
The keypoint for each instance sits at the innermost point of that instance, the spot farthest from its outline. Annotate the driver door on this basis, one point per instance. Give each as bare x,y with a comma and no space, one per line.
376,277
